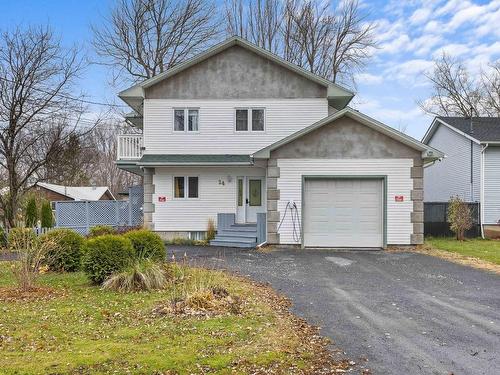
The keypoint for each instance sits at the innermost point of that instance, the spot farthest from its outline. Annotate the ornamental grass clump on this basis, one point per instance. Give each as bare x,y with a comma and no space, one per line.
143,275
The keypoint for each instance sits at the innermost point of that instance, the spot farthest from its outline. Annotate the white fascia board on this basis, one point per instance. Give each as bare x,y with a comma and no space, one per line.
434,126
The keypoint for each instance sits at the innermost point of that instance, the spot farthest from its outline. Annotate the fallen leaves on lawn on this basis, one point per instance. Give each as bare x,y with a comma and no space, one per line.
12,294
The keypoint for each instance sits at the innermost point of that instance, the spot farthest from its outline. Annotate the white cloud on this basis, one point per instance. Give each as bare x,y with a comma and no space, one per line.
368,79
409,71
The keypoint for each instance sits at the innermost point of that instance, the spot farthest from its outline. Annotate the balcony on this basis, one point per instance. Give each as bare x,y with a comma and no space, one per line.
129,147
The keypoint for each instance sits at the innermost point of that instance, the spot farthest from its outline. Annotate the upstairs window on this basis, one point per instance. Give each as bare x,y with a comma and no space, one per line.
250,119
186,119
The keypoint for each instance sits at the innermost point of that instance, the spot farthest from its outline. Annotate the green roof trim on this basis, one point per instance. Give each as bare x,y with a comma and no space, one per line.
183,159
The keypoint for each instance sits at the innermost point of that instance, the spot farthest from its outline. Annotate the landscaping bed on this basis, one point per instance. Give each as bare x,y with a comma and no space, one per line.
70,326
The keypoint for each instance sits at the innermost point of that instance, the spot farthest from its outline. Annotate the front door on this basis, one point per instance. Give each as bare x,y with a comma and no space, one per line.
250,199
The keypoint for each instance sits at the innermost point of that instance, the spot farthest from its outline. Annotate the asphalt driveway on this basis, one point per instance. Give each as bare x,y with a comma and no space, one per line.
394,313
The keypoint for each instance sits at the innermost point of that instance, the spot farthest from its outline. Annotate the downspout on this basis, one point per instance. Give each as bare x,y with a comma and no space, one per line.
471,170
481,199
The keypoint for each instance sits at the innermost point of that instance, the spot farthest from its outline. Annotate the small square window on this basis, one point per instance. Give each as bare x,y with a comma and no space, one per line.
241,119
179,120
193,120
257,120
192,187
179,187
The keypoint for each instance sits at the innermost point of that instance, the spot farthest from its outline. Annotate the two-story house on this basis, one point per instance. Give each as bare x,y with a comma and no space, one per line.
471,168
273,153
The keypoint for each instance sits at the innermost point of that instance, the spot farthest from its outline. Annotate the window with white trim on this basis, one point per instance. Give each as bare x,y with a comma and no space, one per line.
250,119
186,187
186,119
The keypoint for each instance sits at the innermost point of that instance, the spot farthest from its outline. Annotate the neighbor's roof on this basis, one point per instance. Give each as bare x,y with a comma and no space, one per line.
78,193
428,152
183,159
483,129
134,95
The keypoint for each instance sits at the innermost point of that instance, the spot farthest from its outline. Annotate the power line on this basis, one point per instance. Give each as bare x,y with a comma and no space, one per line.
72,98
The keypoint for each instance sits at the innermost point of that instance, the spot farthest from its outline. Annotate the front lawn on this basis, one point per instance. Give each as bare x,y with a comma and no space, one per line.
488,250
72,327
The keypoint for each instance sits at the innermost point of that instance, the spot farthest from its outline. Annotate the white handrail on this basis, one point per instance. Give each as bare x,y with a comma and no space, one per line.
129,146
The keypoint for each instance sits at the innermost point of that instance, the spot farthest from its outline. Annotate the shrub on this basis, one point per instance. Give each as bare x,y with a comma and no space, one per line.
31,254
46,215
31,214
210,229
101,230
3,238
142,275
20,237
69,250
147,245
459,217
105,255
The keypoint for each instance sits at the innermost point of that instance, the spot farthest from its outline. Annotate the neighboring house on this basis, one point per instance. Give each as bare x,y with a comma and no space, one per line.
471,168
273,153
56,193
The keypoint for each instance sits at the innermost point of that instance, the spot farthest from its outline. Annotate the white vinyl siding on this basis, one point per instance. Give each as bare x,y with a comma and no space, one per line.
217,133
491,204
399,182
452,175
216,194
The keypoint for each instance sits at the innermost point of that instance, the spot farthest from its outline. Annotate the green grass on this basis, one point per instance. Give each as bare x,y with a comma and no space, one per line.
488,250
90,330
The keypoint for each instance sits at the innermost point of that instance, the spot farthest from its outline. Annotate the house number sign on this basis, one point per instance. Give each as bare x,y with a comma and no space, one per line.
399,198
162,199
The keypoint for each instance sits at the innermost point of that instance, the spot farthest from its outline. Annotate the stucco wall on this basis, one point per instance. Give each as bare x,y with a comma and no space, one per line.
236,73
346,138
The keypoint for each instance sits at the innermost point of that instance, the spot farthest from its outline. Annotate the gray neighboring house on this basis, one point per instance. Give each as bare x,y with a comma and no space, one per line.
471,168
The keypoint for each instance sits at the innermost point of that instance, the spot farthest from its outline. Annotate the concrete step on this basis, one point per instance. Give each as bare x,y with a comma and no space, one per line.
234,233
224,237
228,243
242,228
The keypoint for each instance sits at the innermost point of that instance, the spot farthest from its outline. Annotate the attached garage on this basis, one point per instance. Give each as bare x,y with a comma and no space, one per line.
337,210
347,181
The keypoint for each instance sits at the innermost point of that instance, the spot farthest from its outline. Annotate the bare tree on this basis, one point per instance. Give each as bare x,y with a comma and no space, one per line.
491,83
455,91
38,116
145,37
331,42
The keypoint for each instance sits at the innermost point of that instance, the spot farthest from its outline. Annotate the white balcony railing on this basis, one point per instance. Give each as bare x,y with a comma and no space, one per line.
129,146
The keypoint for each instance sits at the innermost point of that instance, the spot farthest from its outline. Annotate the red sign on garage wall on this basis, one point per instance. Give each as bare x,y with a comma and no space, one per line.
162,199
399,198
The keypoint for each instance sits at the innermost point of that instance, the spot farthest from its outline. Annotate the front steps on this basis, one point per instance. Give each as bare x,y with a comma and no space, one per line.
236,235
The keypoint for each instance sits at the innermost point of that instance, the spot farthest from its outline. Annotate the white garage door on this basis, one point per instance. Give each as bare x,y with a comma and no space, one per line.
343,213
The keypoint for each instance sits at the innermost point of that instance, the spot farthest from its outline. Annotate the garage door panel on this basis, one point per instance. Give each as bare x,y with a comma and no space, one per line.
343,213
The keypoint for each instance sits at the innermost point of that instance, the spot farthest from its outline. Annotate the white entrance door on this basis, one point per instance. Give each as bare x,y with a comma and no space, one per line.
250,198
343,213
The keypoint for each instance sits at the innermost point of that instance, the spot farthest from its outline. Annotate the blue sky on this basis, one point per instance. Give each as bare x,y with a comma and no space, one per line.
410,33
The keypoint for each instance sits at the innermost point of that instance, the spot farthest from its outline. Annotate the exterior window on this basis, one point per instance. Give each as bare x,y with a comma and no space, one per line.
178,187
179,120
185,187
241,120
192,120
247,116
257,120
192,187
255,196
186,120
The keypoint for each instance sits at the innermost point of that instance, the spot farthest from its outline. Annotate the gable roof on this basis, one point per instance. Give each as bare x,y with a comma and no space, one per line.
78,193
337,95
479,129
428,153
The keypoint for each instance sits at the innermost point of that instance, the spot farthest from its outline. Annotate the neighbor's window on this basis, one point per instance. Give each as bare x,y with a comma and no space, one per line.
253,116
241,120
186,119
185,187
